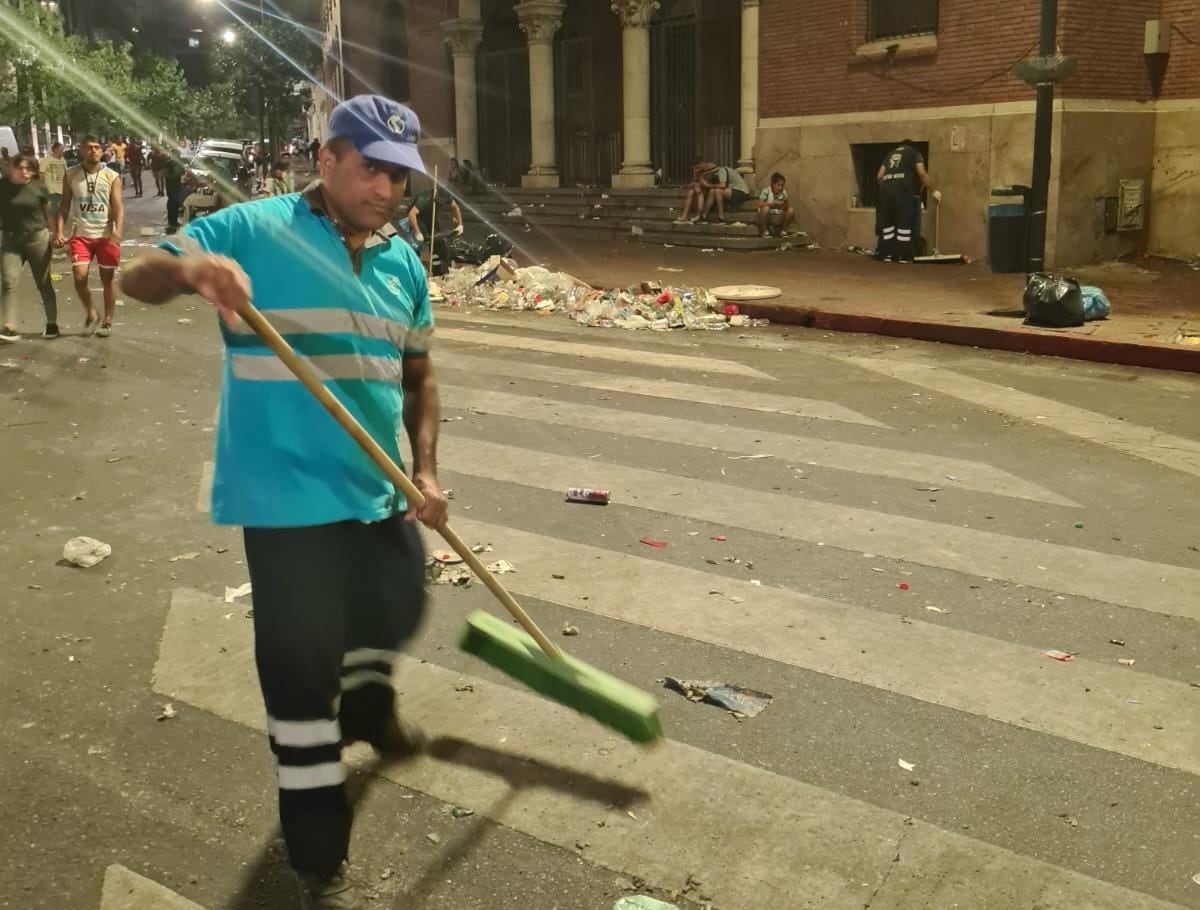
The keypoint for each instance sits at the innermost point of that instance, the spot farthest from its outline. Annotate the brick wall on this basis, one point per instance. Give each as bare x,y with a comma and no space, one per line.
808,63
1108,39
1183,67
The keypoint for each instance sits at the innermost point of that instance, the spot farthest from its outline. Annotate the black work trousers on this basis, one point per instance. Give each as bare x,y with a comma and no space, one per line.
333,605
895,216
174,200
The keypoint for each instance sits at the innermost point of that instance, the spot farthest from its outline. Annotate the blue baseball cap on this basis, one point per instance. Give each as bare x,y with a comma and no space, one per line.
379,128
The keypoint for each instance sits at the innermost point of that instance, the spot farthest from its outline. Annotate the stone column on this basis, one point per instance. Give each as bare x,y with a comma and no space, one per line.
749,85
636,168
540,19
463,36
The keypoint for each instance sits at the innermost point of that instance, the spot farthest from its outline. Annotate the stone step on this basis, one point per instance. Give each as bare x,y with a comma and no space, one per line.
510,196
736,244
708,234
607,210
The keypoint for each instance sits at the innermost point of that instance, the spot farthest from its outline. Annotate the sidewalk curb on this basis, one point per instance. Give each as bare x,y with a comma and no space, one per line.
1151,355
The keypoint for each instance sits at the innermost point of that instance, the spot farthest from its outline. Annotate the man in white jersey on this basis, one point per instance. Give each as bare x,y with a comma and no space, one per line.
91,207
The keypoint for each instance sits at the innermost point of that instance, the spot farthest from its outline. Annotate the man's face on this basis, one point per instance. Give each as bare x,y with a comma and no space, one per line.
90,152
56,150
366,193
776,187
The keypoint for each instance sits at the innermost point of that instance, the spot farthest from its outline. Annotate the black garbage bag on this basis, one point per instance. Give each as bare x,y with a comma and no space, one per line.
461,250
1053,302
495,245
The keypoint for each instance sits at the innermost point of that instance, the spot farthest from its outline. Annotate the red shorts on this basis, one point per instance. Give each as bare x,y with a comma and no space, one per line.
102,249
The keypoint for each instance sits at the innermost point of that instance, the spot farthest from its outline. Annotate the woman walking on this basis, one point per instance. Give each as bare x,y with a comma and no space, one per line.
25,221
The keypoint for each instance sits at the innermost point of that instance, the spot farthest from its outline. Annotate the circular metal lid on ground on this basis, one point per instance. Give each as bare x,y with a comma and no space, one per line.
741,292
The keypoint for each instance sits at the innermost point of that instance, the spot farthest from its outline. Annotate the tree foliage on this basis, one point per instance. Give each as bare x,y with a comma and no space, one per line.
272,65
102,88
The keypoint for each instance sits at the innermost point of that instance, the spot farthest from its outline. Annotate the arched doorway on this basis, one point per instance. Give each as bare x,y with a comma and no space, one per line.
393,34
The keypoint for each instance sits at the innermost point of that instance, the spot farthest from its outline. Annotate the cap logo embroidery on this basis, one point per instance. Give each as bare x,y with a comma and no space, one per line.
396,124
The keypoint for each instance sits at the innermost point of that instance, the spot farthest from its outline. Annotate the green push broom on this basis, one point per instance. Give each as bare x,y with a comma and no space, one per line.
533,659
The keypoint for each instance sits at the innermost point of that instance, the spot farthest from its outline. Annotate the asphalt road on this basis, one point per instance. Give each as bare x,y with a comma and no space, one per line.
921,524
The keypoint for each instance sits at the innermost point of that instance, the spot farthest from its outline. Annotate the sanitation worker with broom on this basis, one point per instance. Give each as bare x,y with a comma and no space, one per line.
332,545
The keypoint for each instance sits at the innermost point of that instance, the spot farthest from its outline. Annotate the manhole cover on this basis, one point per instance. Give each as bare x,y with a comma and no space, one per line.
745,292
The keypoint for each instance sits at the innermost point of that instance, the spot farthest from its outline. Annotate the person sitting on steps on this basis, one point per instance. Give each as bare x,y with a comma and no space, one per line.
726,186
697,191
775,213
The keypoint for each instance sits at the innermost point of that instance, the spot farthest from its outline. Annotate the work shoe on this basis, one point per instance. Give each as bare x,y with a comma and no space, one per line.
51,330
9,335
334,893
397,740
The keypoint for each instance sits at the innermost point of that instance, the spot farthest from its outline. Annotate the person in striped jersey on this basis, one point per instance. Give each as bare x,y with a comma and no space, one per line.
334,553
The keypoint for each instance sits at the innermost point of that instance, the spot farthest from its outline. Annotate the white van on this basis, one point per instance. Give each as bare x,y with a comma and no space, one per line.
8,140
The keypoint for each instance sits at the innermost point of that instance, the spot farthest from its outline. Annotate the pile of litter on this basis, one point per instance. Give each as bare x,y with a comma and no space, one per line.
499,284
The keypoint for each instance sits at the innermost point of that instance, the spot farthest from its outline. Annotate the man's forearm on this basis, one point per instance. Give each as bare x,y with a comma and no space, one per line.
154,277
422,418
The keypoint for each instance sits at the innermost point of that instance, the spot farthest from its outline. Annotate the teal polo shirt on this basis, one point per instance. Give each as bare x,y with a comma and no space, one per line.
281,459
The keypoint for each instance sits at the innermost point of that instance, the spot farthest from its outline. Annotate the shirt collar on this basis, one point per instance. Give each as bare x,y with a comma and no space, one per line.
316,204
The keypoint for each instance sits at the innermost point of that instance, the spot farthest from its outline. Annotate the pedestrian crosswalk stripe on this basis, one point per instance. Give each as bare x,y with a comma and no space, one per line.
790,838
1175,452
652,388
204,494
601,352
787,449
126,890
1087,702
1156,587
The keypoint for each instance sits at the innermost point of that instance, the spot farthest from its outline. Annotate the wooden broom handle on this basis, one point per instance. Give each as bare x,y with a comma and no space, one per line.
303,372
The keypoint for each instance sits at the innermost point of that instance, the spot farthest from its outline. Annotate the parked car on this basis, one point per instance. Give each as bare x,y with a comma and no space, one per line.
212,177
221,145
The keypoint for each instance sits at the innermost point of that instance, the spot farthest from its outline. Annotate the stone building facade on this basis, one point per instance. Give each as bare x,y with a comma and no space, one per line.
628,93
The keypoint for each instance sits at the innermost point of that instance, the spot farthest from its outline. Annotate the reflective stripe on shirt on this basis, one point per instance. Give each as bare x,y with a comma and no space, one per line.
267,367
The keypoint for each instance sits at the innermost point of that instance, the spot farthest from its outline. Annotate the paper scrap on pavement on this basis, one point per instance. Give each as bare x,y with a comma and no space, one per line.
737,700
232,594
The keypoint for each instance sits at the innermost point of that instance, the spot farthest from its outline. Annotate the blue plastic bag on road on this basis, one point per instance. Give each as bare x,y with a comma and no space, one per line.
1095,304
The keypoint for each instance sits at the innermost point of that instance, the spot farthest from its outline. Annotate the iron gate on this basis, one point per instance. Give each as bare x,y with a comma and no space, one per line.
587,154
504,127
673,79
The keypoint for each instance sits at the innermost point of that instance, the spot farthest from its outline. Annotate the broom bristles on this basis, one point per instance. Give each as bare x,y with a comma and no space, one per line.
569,681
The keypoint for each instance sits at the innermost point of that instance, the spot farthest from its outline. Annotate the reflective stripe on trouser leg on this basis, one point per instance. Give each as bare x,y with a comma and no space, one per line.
368,699
385,605
313,810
